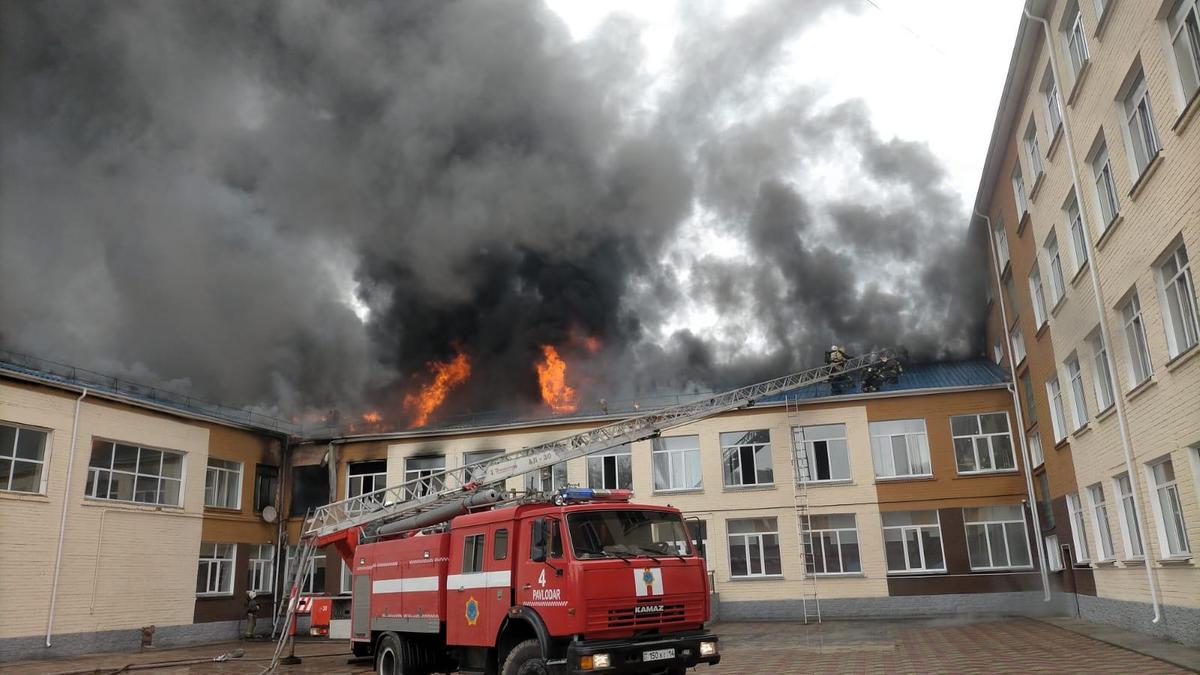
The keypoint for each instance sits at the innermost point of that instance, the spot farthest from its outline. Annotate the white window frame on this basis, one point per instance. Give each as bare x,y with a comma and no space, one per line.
558,479
734,452
918,529
622,472
1018,344
1034,439
260,572
1131,527
986,439
1038,294
430,478
1137,347
1105,547
1058,284
1183,30
95,472
1107,200
1058,418
1079,535
998,350
1141,135
9,456
835,536
1076,45
916,443
1001,237
678,459
1004,526
309,575
345,580
1053,104
1172,527
809,447
1054,561
1021,197
221,481
1102,379
217,567
1078,241
1177,296
1079,407
758,539
473,458
1033,151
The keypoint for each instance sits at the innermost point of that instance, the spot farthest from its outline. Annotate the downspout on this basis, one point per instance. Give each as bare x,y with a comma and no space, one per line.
1098,296
1012,390
62,522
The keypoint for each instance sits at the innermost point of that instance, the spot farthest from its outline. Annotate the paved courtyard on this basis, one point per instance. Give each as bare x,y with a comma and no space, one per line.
924,646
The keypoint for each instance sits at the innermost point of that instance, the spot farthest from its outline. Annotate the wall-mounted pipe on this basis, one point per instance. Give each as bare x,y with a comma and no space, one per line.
62,521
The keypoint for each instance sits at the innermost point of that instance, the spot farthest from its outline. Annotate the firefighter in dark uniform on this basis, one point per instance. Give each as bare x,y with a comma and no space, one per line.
837,357
890,369
251,613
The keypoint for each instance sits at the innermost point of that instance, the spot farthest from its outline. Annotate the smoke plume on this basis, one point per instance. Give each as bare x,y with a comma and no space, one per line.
300,205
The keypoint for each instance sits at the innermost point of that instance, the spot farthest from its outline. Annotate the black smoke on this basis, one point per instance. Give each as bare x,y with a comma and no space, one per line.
190,192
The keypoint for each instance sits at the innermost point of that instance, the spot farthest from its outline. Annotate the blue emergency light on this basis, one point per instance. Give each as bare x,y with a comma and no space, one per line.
577,494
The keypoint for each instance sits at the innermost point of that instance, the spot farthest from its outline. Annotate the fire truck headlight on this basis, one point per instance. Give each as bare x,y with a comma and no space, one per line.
600,660
708,648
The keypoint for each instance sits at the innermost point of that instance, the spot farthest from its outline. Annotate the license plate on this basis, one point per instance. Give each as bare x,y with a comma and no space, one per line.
658,654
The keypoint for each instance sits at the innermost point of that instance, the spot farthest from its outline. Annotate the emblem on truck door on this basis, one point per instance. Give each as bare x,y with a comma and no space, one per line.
648,581
472,611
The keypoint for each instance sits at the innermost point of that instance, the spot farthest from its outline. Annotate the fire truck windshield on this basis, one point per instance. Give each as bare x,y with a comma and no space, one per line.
627,532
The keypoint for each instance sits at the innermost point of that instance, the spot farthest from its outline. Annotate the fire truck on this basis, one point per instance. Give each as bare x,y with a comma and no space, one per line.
450,572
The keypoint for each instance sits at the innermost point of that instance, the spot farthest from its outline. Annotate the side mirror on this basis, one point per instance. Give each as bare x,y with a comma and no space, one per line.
539,536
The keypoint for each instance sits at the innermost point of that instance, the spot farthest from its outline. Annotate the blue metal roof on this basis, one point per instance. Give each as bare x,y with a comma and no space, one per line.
942,375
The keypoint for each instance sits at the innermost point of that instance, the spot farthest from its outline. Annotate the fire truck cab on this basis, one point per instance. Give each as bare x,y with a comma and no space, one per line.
583,583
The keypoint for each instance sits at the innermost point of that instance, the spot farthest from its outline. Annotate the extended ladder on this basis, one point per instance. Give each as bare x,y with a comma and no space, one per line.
810,601
304,558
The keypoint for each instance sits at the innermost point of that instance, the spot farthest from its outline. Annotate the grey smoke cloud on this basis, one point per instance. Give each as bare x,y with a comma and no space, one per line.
189,192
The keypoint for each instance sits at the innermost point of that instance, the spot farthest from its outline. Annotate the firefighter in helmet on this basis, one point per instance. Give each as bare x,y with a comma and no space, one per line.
890,369
251,613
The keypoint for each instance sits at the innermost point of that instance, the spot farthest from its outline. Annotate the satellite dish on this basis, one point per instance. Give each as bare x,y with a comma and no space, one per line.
269,514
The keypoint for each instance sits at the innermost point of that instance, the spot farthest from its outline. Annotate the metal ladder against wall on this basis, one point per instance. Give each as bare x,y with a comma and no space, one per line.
303,558
810,601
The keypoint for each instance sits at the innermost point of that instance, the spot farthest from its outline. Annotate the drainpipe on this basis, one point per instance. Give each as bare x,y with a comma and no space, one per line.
62,522
1098,296
1012,390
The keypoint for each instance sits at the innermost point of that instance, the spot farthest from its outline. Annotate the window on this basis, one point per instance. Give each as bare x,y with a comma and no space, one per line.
1009,294
1139,125
554,547
364,478
128,473
1018,183
746,458
1030,405
1185,43
223,484
912,541
611,469
423,475
261,577
1001,235
547,480
1106,187
472,555
1078,402
314,576
1045,503
1131,529
982,443
996,538
310,488
1037,295
754,548
1168,509
1058,418
346,581
698,529
1179,298
1053,105
472,460
998,350
1054,561
833,541
1035,448
1077,49
1079,535
900,449
1104,539
214,575
1077,235
676,463
1101,375
1032,151
1135,340
1018,344
500,545
1058,287
266,486
826,454
22,458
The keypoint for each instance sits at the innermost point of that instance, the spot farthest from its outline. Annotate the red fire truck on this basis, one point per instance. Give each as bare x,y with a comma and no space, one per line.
449,572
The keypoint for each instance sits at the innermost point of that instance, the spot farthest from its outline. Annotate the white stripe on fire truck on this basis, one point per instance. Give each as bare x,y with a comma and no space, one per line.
409,585
479,580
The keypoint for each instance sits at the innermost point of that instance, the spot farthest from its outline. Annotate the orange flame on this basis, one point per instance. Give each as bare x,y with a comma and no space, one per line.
446,376
552,376
372,417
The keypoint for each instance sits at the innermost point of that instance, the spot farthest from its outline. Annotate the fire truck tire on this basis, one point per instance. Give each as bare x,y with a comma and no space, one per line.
392,656
525,659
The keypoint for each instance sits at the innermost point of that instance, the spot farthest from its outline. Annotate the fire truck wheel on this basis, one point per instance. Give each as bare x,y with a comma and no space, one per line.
525,659
390,657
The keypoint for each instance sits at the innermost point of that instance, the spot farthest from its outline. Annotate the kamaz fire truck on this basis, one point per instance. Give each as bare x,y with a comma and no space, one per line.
464,576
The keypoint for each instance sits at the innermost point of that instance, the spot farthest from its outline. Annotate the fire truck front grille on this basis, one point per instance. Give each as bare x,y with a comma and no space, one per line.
645,614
